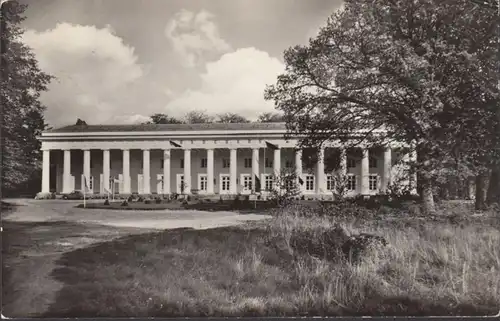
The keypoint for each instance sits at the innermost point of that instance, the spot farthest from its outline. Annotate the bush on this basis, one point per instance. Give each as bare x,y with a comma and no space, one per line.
130,198
236,203
45,196
158,201
140,199
106,202
147,202
124,203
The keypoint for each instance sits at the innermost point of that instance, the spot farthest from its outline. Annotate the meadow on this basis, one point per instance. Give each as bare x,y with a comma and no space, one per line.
445,265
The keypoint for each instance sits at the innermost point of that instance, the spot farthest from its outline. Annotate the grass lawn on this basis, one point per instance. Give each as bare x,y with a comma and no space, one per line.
30,254
445,267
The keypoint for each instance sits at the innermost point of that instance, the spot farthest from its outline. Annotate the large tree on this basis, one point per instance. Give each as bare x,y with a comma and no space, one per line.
198,117
22,81
416,71
231,118
160,118
270,117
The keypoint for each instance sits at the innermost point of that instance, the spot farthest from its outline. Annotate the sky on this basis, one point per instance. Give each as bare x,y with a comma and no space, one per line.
120,61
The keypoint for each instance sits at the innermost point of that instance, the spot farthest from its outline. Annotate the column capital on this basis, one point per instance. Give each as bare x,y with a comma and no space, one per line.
125,149
86,149
105,149
145,149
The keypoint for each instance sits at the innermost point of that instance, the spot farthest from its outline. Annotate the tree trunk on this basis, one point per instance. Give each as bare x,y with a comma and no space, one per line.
480,195
425,182
428,205
493,194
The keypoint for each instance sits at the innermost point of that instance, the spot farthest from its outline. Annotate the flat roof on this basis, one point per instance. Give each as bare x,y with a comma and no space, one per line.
167,127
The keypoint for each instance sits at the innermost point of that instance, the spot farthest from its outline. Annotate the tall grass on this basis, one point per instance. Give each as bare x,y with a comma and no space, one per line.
431,262
428,268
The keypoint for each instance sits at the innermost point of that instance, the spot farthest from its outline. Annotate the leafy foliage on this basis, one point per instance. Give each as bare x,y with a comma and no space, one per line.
231,118
198,117
271,118
22,82
159,118
420,72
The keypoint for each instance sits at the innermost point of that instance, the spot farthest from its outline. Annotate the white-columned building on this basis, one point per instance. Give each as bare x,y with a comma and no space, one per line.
211,159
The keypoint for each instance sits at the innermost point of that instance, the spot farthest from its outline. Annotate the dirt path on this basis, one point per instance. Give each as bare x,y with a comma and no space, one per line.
36,233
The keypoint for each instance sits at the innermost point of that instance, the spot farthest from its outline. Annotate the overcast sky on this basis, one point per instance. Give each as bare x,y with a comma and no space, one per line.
119,61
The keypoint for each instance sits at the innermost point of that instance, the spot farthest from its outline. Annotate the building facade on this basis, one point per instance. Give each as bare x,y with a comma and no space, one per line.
211,159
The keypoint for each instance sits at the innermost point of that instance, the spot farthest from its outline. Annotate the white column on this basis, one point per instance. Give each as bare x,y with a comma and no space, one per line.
46,171
365,172
320,175
67,171
298,168
166,171
86,170
386,175
255,167
277,166
210,171
126,172
187,171
233,187
105,170
146,172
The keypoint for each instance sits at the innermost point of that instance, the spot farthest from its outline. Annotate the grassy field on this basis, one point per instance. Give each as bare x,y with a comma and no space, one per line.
448,266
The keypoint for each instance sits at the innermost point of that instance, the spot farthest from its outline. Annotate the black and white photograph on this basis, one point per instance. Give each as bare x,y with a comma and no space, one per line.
250,158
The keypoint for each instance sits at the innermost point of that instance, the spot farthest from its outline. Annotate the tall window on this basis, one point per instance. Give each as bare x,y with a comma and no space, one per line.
289,183
225,163
351,162
373,182
225,183
269,163
161,163
182,162
204,163
373,162
203,183
288,163
330,182
268,182
309,182
248,162
351,182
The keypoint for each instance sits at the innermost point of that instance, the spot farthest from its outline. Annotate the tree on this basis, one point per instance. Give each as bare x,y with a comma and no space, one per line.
415,71
270,117
198,117
159,118
231,118
22,81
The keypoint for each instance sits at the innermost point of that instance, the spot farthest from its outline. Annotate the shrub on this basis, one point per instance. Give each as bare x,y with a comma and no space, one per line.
124,203
44,196
140,199
130,198
158,201
236,203
106,202
147,202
